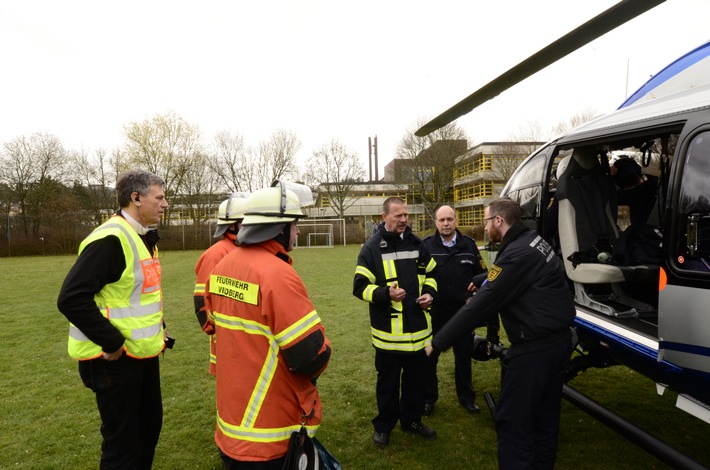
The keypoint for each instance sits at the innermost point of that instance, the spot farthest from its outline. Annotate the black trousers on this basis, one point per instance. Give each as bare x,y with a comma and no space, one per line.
230,464
130,404
409,369
527,414
462,373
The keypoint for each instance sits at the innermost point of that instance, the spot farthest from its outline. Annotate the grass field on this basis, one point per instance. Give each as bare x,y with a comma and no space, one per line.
49,420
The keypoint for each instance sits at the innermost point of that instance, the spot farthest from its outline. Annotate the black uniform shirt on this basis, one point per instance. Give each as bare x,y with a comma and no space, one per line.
527,286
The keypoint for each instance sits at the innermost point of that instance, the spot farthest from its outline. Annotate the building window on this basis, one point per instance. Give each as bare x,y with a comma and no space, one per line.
482,189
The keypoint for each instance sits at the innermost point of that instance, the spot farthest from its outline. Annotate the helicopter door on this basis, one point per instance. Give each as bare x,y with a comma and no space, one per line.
684,316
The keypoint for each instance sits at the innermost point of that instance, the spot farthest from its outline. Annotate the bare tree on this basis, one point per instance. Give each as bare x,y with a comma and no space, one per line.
531,132
334,168
509,157
199,189
30,166
277,157
432,162
92,171
231,164
18,172
166,145
574,121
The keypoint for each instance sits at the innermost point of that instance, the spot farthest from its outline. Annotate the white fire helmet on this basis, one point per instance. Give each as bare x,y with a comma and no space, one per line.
230,211
269,209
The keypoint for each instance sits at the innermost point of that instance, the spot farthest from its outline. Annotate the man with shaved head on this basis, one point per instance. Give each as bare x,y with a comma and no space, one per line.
460,269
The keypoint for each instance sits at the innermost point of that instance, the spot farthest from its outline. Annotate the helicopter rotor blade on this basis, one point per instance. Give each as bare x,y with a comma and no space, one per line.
601,24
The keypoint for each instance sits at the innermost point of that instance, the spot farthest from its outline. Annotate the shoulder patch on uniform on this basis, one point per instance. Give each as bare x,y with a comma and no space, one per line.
494,272
483,264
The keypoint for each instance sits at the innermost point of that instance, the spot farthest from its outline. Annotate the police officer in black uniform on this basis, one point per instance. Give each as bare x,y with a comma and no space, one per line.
460,270
526,284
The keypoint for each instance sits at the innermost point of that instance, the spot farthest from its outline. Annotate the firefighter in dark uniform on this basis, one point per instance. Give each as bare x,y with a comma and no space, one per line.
526,284
460,270
395,275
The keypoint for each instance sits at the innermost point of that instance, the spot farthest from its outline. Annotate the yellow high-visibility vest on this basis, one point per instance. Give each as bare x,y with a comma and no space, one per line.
133,304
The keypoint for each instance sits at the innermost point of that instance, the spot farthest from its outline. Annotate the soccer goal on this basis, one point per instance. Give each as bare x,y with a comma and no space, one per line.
320,233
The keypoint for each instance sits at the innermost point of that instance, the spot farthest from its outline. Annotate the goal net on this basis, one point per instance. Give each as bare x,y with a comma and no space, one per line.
320,233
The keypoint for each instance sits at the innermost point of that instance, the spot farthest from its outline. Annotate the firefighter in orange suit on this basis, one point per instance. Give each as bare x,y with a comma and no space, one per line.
272,345
229,219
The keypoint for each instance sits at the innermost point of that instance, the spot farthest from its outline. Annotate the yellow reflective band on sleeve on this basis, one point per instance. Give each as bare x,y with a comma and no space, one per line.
240,291
430,267
365,272
199,289
295,331
369,293
431,282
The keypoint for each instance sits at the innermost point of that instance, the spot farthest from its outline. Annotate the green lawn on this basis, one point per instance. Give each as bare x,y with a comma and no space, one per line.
49,420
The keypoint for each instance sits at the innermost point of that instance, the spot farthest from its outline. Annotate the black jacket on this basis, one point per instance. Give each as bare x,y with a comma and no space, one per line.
386,258
526,284
456,268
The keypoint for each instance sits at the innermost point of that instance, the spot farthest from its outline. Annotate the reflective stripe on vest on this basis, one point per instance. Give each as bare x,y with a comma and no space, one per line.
397,339
133,304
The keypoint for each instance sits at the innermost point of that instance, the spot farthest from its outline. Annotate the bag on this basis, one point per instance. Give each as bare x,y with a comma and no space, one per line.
301,453
638,244
328,461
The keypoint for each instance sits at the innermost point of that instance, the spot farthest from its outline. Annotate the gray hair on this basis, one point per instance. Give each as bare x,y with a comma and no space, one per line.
135,181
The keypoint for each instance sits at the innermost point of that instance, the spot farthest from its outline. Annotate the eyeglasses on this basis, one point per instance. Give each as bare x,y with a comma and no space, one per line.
489,218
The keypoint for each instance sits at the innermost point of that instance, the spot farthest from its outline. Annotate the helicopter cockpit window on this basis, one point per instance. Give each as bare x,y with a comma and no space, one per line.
526,186
695,206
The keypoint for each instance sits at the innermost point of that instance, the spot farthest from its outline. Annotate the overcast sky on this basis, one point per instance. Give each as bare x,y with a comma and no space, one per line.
81,70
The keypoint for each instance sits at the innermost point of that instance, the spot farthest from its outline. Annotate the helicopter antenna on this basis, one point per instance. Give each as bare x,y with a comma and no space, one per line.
601,24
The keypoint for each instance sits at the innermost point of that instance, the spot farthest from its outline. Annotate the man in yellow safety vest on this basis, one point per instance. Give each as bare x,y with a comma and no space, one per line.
113,299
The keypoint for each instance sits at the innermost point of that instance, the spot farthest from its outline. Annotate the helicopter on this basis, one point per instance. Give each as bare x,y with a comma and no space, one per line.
641,288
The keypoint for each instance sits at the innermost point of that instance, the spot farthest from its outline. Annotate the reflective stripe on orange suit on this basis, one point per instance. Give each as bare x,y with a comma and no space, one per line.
259,401
208,260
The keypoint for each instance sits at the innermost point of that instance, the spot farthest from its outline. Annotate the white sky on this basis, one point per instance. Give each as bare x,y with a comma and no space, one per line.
81,70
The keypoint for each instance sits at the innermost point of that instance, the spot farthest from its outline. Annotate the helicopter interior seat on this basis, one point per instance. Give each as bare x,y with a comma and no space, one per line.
587,229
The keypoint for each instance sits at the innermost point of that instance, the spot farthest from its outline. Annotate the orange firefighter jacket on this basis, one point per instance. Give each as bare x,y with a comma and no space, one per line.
263,317
208,260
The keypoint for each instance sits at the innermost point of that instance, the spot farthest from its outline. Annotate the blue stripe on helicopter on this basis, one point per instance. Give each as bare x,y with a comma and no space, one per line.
686,348
672,70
